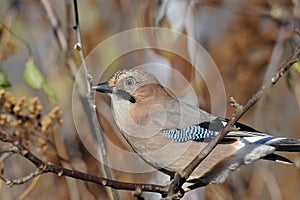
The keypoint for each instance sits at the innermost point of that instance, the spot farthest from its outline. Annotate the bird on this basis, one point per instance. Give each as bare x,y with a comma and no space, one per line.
168,134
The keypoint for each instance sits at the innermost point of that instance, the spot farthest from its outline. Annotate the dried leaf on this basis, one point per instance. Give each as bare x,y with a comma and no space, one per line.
7,46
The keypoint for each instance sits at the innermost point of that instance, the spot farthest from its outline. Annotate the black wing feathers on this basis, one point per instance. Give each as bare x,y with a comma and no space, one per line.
219,123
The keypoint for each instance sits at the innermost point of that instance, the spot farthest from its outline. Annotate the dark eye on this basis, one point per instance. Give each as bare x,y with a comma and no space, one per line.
130,82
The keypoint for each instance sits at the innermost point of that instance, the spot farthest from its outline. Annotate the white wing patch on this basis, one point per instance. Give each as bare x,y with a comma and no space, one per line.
224,123
259,139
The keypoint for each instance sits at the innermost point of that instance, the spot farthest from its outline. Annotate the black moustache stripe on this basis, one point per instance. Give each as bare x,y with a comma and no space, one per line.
126,95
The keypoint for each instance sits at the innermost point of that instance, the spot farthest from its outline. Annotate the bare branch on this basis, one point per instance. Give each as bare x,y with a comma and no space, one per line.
22,180
43,167
181,177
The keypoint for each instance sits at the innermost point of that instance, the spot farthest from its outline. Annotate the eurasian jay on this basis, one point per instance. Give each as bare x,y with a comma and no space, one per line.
168,134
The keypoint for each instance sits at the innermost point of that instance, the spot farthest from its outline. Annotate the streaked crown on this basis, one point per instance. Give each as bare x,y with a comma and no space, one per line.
130,79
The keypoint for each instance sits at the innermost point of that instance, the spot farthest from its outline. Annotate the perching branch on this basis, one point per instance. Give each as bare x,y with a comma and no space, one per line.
47,167
181,177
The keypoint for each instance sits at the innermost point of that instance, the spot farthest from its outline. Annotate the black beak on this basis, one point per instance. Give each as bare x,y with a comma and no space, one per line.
102,87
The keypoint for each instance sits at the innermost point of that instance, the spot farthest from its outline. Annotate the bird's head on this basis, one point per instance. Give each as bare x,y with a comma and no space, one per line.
132,85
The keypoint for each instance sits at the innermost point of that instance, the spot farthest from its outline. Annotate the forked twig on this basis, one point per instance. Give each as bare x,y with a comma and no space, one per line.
47,167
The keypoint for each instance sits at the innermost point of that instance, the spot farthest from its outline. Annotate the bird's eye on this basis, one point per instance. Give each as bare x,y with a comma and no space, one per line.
130,82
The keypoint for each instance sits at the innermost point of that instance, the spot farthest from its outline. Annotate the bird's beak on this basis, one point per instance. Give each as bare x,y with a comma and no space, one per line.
102,87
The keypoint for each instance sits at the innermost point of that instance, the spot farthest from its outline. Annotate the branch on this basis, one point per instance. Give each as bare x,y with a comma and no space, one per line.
86,99
181,177
79,48
47,167
91,111
22,180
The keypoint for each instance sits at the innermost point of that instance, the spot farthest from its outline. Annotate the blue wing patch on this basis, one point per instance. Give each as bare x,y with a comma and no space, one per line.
195,133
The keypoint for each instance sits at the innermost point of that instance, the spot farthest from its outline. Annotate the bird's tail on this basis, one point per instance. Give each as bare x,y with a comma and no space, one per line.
282,144
285,144
278,158
279,143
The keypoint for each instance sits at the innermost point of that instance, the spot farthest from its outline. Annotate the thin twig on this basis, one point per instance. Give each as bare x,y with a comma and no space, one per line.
58,31
43,167
97,129
22,180
79,47
63,43
181,177
63,40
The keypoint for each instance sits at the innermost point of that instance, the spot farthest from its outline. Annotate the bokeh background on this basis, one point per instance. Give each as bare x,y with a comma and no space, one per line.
248,41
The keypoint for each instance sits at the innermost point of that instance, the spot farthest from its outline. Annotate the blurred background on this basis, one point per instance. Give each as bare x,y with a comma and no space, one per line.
247,40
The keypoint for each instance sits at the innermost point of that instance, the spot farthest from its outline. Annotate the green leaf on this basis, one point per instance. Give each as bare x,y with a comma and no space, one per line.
297,66
35,79
49,91
32,75
4,82
288,79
